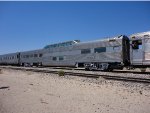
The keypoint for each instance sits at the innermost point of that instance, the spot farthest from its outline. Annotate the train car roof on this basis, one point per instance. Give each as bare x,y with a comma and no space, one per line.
107,39
9,54
140,35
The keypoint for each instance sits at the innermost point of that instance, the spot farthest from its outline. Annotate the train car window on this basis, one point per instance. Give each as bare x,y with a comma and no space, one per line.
31,56
137,44
40,55
109,49
147,40
146,36
100,49
27,56
61,58
116,48
85,51
35,55
54,58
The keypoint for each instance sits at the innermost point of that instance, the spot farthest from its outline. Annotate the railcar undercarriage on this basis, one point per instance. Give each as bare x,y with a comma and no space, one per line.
103,66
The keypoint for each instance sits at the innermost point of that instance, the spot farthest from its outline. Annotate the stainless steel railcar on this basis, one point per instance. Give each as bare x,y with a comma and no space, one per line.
107,54
10,59
112,52
140,49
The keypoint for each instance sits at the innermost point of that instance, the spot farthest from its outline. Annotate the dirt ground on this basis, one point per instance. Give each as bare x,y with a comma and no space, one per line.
28,92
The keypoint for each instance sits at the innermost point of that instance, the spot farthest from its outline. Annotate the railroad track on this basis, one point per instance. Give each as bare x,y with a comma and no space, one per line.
96,76
114,71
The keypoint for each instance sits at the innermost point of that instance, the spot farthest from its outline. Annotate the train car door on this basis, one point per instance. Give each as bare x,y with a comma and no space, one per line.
137,52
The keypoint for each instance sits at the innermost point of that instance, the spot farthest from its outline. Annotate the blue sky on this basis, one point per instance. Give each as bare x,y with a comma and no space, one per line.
32,25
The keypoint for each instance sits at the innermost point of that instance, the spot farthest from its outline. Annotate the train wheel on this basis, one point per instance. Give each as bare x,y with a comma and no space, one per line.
86,69
110,70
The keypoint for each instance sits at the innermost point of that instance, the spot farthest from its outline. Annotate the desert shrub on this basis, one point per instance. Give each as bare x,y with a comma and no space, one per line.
61,73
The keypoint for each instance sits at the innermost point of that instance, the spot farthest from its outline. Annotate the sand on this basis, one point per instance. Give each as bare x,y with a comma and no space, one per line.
29,92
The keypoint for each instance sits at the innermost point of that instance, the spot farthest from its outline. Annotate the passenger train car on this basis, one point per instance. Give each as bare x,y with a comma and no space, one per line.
107,54
140,49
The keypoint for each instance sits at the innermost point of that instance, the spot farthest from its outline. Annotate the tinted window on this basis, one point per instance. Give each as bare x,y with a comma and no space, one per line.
61,58
40,55
54,58
100,49
85,51
35,55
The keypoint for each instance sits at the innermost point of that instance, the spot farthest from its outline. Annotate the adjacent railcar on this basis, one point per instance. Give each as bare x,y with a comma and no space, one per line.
31,58
140,49
10,59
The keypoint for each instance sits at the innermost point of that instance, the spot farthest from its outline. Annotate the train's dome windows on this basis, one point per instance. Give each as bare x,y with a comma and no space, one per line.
63,44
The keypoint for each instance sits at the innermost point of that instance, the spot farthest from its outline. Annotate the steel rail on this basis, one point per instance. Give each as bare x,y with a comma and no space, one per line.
107,77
